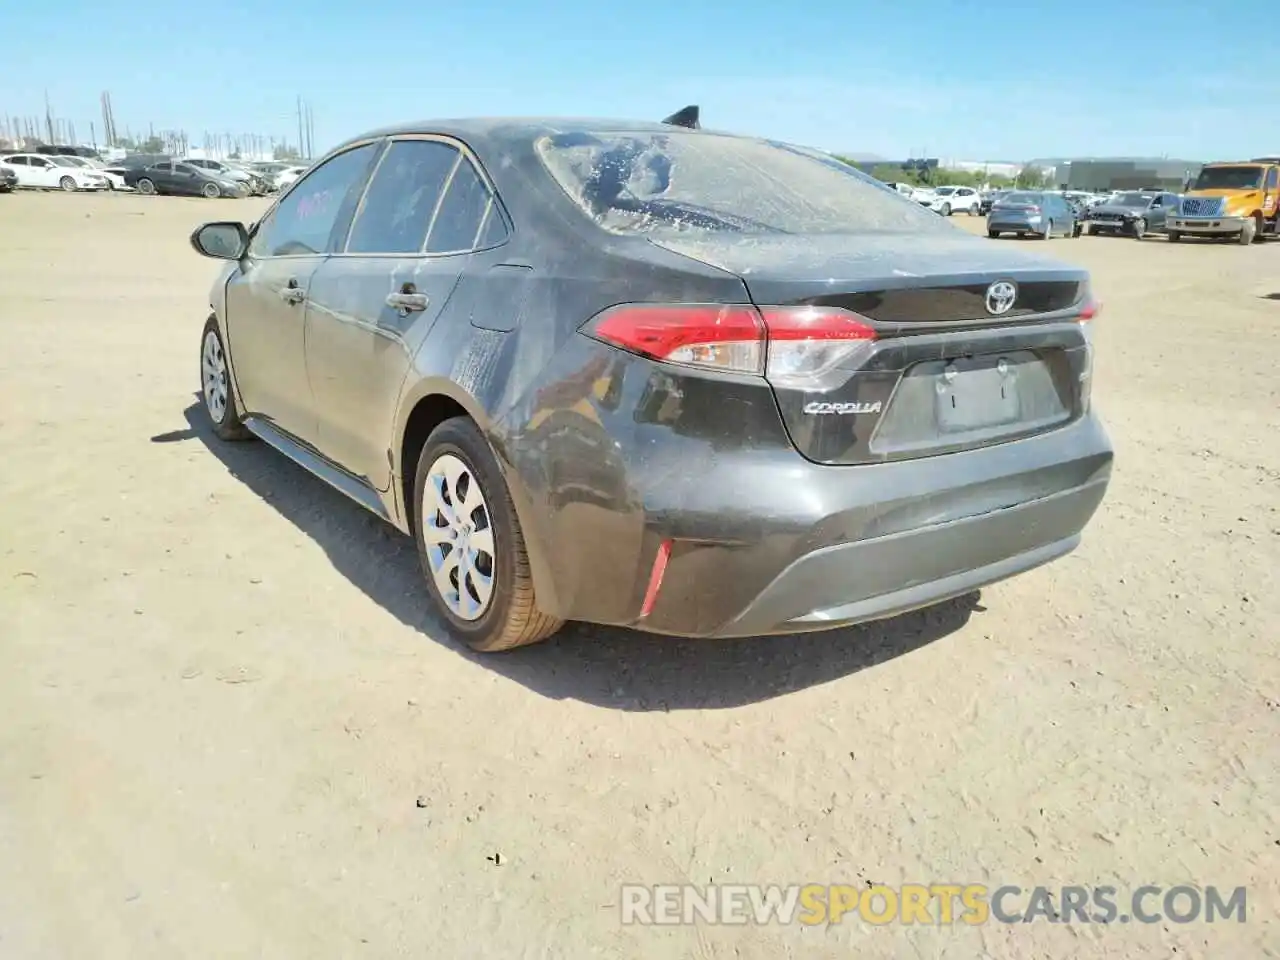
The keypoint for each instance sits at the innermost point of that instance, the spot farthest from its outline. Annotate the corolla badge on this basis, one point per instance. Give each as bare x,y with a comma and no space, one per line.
1000,297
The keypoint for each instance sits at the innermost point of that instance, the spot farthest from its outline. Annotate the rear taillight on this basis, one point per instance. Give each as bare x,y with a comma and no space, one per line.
1033,209
1090,310
778,342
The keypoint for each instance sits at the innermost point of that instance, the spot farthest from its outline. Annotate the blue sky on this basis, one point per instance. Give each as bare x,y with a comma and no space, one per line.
992,80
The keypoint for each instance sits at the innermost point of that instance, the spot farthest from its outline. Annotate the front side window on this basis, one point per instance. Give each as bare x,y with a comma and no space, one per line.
461,214
1273,178
650,182
396,211
303,222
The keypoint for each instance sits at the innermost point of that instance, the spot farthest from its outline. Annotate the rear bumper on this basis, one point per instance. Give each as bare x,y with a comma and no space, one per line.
883,577
842,545
1015,226
1209,226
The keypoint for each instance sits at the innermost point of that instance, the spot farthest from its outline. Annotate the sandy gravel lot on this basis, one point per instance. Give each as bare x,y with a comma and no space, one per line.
227,728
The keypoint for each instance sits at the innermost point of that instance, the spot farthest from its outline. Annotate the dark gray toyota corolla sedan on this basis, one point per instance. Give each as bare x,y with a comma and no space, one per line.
645,374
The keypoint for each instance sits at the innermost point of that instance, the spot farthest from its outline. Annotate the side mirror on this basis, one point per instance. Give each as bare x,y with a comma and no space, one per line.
225,240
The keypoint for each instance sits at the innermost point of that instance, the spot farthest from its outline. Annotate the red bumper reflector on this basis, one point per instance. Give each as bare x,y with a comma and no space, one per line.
655,578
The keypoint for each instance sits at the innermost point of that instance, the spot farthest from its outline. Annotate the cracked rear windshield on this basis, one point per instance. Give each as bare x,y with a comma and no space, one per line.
669,182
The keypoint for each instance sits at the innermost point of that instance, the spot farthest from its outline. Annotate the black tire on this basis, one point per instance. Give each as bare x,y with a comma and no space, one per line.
1175,236
68,184
145,187
946,209
512,618
1091,230
1076,230
993,234
227,424
1139,228
975,210
1048,231
211,191
1249,233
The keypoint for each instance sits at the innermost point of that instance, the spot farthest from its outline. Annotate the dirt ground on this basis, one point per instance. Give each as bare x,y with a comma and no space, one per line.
228,729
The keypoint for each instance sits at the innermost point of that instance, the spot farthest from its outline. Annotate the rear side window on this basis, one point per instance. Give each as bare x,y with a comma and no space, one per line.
637,182
461,215
396,212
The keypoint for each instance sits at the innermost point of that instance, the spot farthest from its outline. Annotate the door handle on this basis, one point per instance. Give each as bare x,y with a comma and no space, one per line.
407,301
292,293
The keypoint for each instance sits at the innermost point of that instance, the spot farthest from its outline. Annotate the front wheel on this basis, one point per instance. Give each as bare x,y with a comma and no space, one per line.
215,385
1175,236
1139,229
470,543
993,234
68,184
1248,232
146,187
1091,230
946,209
211,191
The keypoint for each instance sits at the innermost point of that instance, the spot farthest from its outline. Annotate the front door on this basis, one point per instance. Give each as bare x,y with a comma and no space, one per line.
43,172
268,298
373,306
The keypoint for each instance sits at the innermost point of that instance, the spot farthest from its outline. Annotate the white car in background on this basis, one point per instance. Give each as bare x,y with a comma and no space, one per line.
287,177
41,172
949,200
114,180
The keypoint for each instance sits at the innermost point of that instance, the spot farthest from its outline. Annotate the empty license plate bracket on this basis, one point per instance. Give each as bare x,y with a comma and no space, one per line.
973,394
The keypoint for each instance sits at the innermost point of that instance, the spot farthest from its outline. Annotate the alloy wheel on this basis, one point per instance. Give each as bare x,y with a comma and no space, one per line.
213,367
458,533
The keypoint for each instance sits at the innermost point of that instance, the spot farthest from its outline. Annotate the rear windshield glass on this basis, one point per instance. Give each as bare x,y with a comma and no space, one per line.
1021,198
1132,200
651,182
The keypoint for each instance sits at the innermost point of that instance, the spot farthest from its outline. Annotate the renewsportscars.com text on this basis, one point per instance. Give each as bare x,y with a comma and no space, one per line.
928,904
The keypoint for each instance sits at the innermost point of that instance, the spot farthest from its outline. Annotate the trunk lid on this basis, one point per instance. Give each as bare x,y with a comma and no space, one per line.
953,366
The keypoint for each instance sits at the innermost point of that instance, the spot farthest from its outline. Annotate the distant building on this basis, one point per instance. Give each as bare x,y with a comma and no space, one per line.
1124,173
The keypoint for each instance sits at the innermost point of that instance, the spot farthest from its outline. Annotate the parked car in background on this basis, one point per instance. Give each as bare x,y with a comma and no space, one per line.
253,183
609,372
114,180
988,199
65,150
44,172
287,177
182,179
8,179
1034,213
949,200
1132,213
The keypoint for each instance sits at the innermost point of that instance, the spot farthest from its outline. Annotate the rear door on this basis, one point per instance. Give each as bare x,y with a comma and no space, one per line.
373,305
267,299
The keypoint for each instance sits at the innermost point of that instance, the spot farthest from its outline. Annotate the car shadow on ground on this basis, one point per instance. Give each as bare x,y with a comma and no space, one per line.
607,666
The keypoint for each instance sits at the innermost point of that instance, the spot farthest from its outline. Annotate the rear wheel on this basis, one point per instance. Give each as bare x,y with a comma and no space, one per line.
68,184
470,543
974,210
993,234
146,187
1048,231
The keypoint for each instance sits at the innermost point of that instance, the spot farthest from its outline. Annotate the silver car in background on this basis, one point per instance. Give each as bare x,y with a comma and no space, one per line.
1033,213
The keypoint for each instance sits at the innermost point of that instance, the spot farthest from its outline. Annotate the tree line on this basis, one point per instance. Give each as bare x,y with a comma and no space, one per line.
1028,178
